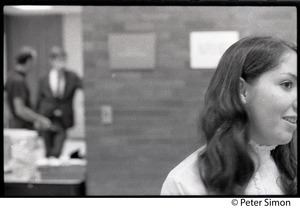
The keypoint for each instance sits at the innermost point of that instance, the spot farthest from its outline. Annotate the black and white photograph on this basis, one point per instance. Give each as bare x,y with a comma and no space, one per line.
151,101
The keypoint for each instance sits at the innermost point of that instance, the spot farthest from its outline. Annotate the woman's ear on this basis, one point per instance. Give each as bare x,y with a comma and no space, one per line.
243,89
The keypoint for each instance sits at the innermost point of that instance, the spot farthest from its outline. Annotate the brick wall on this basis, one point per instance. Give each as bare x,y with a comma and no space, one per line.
154,112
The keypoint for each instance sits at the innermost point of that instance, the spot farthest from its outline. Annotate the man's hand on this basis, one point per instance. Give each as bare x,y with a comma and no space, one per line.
42,123
57,113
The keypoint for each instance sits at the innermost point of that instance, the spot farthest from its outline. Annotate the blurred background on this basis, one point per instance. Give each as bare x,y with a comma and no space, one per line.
136,118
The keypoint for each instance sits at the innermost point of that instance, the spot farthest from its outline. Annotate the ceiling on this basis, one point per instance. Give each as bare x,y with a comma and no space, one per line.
41,10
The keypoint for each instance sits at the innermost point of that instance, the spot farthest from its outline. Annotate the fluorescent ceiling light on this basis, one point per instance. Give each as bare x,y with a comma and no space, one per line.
33,7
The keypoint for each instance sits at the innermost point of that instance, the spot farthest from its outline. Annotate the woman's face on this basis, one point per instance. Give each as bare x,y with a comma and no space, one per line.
271,104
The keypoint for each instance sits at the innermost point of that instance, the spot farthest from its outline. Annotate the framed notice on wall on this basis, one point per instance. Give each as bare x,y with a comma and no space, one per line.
206,48
132,51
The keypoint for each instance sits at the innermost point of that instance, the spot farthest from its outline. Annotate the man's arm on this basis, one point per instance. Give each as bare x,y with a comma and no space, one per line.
29,115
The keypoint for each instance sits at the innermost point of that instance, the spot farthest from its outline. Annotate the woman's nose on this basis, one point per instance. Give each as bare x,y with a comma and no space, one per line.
295,105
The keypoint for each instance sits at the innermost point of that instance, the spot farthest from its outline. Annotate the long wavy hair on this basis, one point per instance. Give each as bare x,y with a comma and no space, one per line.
226,166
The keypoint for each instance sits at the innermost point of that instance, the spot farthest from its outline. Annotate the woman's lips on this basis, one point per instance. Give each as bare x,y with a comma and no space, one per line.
291,119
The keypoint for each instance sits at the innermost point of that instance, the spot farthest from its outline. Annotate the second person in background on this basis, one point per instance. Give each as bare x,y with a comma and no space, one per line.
55,101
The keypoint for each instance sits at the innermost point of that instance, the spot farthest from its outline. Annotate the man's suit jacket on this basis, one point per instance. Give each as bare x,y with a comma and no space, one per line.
47,103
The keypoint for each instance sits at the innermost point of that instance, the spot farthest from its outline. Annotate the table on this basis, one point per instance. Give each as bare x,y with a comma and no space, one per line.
55,181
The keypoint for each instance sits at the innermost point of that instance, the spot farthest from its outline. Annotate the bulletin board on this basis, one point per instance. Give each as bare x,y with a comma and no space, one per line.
132,51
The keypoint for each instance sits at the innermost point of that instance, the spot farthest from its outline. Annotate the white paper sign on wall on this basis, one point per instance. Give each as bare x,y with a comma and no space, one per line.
206,48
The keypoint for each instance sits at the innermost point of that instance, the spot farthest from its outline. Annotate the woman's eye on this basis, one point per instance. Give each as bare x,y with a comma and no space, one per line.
287,85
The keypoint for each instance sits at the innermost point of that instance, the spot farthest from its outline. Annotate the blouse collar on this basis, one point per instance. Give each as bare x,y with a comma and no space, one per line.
263,151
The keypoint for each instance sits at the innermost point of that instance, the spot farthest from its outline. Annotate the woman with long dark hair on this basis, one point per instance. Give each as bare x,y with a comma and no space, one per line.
249,123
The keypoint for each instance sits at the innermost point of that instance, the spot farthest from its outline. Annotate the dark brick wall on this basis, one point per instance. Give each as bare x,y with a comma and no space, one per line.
154,112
